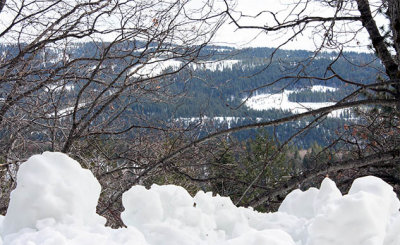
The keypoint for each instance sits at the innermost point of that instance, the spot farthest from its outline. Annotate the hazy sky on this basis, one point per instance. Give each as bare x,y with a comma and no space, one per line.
231,36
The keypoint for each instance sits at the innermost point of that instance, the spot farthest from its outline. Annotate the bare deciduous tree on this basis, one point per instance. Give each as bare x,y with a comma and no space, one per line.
74,74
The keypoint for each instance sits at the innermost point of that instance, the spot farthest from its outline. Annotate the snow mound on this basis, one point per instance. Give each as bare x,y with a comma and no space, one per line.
361,217
48,232
52,185
169,215
310,203
1,222
1,228
55,202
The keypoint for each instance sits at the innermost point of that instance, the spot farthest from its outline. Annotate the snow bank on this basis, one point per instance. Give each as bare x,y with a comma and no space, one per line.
1,228
1,222
48,232
52,185
310,203
361,217
55,200
169,215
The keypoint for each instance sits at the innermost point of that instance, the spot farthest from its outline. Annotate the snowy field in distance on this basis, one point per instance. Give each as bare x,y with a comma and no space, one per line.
322,88
156,67
55,201
219,65
280,101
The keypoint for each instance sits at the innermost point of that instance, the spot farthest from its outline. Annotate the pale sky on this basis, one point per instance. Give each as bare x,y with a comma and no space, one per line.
231,36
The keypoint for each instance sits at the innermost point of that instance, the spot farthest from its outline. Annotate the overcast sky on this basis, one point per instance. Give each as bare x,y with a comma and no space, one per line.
231,36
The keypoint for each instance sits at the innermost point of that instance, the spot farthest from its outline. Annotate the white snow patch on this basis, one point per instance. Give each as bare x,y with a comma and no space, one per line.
280,101
55,202
219,65
69,110
154,67
321,88
228,49
140,50
57,88
66,111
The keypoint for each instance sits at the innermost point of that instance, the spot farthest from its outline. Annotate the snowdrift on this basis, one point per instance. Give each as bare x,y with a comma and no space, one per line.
55,202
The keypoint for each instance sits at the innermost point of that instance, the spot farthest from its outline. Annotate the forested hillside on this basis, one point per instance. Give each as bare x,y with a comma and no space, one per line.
212,90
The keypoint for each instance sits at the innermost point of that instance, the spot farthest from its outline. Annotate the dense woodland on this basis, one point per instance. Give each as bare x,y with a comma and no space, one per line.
219,93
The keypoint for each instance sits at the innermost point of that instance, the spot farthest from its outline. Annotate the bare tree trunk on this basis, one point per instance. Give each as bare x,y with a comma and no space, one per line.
377,39
2,3
394,14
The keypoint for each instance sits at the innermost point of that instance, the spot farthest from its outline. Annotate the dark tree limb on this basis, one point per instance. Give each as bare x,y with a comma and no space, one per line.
293,183
387,102
2,3
377,39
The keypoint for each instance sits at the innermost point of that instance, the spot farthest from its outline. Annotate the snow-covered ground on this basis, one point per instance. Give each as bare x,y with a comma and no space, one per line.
56,88
280,101
215,65
66,111
322,88
156,67
55,204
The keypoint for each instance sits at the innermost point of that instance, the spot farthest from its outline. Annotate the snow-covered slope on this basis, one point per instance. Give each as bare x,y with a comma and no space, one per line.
219,65
321,88
55,202
280,101
156,67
